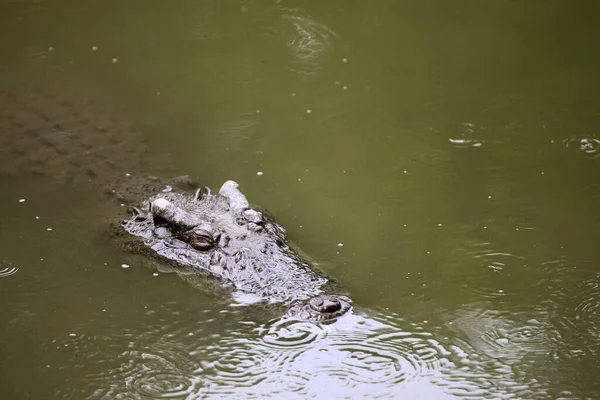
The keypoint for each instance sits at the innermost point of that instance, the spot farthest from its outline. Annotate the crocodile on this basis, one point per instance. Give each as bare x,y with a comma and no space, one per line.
211,234
219,234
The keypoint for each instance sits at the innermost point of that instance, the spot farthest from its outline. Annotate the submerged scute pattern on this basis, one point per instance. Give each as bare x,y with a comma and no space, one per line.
64,135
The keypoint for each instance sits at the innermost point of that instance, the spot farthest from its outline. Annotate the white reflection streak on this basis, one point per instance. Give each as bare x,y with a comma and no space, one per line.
8,272
310,42
588,145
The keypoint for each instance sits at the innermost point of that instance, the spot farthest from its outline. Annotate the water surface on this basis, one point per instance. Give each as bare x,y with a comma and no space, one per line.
439,158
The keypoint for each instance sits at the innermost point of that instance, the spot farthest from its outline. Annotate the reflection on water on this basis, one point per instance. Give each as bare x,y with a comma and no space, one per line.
361,356
357,355
493,354
6,269
587,145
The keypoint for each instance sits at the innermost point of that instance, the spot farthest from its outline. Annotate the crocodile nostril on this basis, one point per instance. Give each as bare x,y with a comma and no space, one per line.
325,304
332,305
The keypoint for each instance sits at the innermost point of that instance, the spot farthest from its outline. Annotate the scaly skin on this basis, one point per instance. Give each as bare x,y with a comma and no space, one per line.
221,235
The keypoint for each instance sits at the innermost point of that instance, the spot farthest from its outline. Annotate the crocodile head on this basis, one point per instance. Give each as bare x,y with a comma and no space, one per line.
222,236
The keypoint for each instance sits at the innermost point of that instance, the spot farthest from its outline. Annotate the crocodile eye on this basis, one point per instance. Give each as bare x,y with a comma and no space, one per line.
202,243
203,237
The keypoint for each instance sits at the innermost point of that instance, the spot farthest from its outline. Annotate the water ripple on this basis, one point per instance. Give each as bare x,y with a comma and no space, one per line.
481,353
309,42
495,352
588,301
468,135
361,354
588,145
493,277
287,333
574,312
356,356
148,357
6,269
159,375
494,334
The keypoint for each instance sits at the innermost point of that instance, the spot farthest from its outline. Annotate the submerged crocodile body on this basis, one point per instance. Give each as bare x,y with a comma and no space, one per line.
64,134
218,235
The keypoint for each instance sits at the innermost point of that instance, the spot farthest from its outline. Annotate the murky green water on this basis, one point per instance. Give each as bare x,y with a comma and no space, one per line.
453,148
